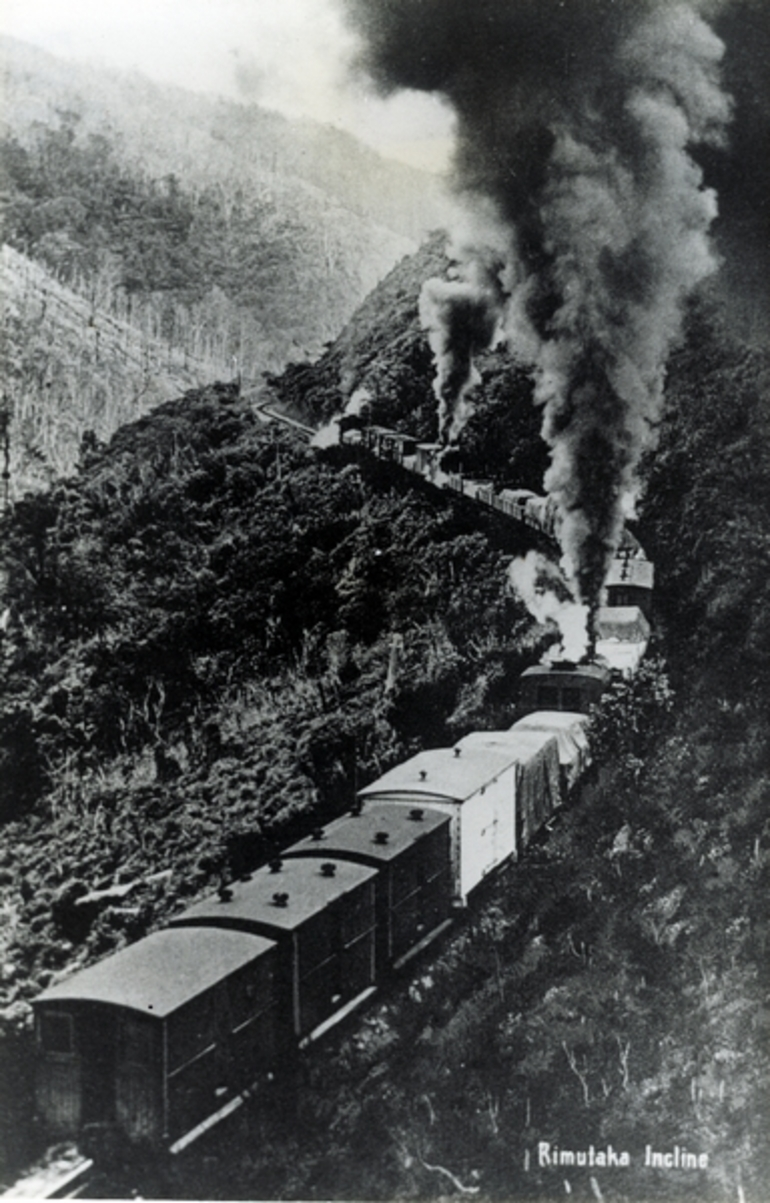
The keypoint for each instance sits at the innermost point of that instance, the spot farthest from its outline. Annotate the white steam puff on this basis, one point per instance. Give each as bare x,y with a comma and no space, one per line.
328,435
541,587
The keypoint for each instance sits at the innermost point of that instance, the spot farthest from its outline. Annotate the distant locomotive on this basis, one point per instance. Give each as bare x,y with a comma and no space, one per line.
161,1040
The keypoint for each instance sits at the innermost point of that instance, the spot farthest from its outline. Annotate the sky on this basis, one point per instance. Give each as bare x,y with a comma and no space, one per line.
290,55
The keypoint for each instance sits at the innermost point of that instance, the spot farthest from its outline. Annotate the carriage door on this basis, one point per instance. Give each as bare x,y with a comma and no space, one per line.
98,1040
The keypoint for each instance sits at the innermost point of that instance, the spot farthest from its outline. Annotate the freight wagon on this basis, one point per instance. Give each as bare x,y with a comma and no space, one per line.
410,850
162,1039
322,917
158,1036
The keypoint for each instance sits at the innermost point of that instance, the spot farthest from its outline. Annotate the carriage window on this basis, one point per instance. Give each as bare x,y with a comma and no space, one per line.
56,1035
572,699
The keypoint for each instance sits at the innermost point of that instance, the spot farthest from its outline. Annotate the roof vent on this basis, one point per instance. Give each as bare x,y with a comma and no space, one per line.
381,837
225,893
423,774
276,865
280,899
328,868
416,815
317,834
458,751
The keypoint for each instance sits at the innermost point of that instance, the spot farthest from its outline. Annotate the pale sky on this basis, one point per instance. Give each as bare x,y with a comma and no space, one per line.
290,55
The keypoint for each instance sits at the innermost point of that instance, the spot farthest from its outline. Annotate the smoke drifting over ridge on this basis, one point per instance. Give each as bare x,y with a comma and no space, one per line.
574,126
462,317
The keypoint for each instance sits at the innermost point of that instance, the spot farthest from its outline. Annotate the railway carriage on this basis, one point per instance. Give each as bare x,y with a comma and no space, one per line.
410,849
622,635
537,775
158,1036
513,502
630,580
388,444
568,728
322,916
475,788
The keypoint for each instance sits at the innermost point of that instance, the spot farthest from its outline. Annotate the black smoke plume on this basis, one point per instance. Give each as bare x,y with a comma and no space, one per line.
576,120
462,316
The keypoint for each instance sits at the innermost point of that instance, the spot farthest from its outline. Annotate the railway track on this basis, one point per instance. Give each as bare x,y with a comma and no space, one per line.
264,409
292,422
64,1173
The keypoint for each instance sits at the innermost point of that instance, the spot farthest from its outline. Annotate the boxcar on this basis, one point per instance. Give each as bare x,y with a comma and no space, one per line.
622,635
322,916
513,502
630,580
388,444
410,848
569,730
155,1038
476,789
537,785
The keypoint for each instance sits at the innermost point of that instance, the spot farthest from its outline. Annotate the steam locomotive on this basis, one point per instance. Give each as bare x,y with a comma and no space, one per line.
160,1041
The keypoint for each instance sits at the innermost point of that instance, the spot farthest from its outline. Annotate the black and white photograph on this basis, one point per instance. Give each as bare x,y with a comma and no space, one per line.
385,600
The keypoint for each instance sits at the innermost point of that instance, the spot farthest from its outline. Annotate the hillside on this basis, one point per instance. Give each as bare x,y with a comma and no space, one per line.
69,367
203,140
238,239
198,663
202,591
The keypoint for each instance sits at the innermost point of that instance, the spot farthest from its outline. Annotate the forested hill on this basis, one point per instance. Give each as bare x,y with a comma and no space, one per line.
208,213
227,238
72,369
212,634
161,129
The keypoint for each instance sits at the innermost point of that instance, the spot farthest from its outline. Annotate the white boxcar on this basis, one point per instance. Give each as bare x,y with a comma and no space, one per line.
622,635
537,775
477,787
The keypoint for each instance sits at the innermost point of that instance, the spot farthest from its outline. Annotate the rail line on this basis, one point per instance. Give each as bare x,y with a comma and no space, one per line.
63,1174
269,414
66,1173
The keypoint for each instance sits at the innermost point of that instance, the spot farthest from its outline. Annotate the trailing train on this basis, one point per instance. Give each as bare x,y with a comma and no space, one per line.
161,1040
425,460
622,625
